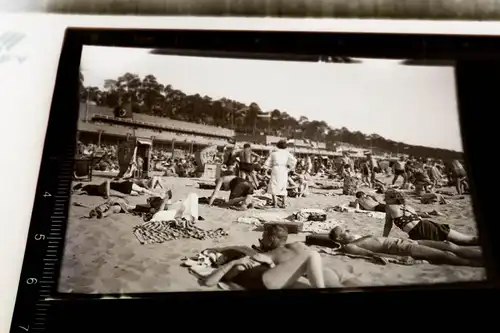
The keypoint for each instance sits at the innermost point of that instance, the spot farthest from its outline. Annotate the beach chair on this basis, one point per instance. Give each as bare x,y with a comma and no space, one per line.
84,166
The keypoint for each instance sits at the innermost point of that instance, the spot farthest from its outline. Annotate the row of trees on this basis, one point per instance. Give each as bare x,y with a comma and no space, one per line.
149,96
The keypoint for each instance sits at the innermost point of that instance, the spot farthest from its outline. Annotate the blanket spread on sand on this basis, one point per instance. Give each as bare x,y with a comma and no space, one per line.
154,232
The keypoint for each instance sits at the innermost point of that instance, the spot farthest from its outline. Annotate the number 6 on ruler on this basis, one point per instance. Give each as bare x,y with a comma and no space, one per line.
31,281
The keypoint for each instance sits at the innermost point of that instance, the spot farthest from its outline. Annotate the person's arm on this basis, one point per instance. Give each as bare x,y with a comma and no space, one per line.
357,206
263,259
356,250
388,224
219,274
216,191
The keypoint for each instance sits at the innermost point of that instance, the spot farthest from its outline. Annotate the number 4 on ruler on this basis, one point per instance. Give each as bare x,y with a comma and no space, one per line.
47,194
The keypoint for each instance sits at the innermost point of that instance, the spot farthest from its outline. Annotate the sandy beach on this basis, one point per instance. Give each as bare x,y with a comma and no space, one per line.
103,256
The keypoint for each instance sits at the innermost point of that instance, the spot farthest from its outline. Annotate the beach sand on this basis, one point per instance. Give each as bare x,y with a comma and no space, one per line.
103,256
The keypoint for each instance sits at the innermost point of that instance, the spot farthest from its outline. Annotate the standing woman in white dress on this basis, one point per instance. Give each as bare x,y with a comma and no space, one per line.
280,161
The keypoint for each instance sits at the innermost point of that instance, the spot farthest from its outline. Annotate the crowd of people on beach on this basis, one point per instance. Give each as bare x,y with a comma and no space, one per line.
274,263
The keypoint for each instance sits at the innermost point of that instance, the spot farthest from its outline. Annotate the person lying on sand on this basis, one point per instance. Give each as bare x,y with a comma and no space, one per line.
109,188
406,219
280,265
150,184
435,252
110,207
368,202
241,191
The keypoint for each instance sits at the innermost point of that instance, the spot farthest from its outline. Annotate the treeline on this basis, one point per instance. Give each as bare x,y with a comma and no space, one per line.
149,96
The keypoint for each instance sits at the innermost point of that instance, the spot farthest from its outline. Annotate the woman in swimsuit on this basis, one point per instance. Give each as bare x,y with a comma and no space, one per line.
406,219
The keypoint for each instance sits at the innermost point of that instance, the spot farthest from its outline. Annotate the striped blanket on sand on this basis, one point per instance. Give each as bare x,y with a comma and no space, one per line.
154,232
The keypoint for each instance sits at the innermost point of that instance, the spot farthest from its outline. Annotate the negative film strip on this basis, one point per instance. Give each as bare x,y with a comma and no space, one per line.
38,292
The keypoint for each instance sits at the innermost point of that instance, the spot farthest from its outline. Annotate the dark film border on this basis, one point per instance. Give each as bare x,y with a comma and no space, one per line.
477,75
394,9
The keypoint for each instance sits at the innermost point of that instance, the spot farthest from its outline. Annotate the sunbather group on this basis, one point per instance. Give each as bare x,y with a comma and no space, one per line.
281,265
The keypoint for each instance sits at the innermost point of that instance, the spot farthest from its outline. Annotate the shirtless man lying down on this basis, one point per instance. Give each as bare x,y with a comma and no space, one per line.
435,252
280,265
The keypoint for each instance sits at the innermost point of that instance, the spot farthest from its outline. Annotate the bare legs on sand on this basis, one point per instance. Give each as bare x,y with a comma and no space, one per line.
468,252
287,273
438,256
462,239
275,200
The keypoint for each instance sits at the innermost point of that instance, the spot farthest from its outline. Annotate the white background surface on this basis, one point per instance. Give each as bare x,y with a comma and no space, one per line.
26,92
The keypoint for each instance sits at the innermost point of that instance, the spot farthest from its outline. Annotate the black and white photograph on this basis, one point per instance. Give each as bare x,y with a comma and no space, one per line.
196,173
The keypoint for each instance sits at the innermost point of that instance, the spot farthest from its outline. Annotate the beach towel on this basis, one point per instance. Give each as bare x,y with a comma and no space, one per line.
251,221
319,227
310,215
154,232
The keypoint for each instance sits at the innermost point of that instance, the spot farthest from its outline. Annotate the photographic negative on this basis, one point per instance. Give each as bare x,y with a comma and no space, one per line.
198,173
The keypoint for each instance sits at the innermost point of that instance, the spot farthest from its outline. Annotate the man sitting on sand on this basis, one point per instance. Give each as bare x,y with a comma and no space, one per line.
241,191
280,265
368,202
435,252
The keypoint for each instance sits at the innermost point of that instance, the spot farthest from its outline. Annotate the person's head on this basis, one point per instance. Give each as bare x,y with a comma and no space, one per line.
341,235
246,145
369,154
281,144
274,236
401,158
394,197
360,194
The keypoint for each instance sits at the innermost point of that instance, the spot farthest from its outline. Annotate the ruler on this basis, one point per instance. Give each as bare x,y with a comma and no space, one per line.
45,242
45,245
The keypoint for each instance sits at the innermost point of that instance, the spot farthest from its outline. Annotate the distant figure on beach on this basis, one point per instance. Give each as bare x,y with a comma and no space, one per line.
280,162
279,266
245,163
435,174
458,176
400,170
435,252
241,191
372,167
125,153
368,202
406,219
351,181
